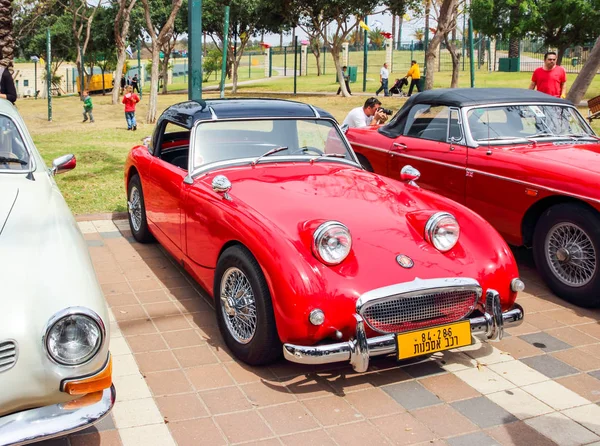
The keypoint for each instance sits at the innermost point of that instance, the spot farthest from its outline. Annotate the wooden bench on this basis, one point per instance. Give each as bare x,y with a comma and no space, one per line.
594,106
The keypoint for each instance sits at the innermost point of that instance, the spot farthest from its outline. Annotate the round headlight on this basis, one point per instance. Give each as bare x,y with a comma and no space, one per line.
74,339
442,231
332,242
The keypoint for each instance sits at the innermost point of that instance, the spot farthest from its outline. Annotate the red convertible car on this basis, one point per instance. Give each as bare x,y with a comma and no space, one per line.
526,162
307,254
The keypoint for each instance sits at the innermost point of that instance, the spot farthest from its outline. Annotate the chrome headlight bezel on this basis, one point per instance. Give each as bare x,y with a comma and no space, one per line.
431,231
83,312
320,251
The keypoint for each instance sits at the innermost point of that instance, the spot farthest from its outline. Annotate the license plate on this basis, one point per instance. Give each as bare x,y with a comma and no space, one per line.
431,340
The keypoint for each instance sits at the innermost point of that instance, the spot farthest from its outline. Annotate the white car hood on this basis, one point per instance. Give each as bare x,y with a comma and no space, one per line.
44,268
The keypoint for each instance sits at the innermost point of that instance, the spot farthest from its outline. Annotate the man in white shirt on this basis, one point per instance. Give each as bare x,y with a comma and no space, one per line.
368,114
384,74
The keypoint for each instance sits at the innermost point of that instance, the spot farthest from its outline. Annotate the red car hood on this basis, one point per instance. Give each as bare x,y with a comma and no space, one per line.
374,208
579,156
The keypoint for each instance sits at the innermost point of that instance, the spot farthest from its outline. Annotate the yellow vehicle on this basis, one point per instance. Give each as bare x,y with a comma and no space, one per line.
95,83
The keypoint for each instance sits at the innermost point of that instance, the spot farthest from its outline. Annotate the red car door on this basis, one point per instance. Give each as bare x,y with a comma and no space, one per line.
163,195
433,143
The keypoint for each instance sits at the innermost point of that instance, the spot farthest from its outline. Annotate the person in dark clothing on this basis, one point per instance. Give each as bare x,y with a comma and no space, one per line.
123,84
134,83
346,81
7,85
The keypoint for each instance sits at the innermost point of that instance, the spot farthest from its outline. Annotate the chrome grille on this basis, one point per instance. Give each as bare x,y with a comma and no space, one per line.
414,310
8,355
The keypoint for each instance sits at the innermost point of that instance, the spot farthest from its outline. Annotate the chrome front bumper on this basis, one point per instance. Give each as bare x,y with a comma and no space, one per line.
43,423
358,350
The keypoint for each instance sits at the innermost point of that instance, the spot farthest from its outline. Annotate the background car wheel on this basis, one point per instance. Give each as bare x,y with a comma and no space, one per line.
365,163
244,308
566,249
137,211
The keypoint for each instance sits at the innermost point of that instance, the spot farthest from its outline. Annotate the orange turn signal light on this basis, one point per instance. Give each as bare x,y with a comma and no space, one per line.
96,383
84,401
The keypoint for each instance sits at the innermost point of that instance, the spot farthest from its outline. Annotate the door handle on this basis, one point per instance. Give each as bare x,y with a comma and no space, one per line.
399,145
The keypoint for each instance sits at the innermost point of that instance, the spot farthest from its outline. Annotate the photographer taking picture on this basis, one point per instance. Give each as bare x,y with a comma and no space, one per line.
369,114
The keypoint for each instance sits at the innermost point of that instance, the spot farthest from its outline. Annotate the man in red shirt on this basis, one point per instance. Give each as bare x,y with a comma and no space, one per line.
551,78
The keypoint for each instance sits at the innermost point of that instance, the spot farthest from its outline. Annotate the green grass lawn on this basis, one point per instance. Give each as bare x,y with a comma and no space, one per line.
96,185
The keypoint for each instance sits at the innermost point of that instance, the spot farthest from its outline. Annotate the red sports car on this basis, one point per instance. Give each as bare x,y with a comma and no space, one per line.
307,254
525,161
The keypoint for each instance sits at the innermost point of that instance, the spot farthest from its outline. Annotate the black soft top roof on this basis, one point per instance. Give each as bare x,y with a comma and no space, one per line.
187,113
463,97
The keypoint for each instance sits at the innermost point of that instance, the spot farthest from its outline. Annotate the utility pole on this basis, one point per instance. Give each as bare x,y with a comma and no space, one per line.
195,50
471,52
81,73
225,51
139,50
365,56
49,74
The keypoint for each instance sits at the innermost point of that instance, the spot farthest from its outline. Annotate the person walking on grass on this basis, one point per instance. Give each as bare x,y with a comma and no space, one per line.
346,81
551,78
134,83
130,99
87,107
415,77
384,74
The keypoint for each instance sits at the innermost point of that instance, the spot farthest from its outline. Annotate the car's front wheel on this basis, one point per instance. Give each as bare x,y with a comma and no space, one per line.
244,308
137,211
566,246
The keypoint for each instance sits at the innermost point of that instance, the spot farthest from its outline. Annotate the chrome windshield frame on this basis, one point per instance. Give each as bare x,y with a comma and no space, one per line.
32,161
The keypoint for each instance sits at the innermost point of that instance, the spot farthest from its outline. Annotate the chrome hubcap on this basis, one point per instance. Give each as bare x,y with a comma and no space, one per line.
571,254
238,305
135,208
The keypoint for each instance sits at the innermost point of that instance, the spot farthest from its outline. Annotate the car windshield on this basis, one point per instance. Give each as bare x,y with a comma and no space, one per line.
303,138
13,154
525,121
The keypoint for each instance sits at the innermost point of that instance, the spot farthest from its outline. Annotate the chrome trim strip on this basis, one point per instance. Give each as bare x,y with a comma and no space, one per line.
376,149
357,351
317,115
68,312
44,423
212,113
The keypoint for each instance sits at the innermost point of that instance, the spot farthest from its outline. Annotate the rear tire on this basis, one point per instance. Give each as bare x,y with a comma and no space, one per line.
566,250
137,211
244,308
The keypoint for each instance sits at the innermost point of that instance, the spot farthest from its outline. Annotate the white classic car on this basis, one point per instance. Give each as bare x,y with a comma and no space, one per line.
55,365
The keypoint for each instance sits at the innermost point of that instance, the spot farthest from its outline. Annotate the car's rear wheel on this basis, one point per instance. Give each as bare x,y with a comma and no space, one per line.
244,308
566,249
137,211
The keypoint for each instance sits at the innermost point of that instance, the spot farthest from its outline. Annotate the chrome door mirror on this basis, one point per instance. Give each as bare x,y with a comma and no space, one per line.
63,164
222,185
409,174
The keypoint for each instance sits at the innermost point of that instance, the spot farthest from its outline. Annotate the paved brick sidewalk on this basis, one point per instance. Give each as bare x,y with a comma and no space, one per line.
177,383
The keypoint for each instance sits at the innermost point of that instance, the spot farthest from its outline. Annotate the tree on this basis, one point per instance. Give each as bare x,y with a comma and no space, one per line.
451,47
447,11
247,19
315,16
376,38
586,75
419,34
121,31
315,45
158,37
7,42
101,51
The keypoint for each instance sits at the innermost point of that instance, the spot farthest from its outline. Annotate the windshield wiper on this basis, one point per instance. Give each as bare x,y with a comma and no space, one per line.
500,138
5,160
270,152
580,136
540,134
326,155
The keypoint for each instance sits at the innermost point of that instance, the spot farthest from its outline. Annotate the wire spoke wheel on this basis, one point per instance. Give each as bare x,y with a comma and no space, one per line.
238,305
135,208
570,254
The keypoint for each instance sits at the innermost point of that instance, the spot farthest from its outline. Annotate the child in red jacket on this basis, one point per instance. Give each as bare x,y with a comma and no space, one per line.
130,99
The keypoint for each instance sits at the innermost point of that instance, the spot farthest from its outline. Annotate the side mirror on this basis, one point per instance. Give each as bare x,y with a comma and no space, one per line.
222,185
409,174
146,141
63,164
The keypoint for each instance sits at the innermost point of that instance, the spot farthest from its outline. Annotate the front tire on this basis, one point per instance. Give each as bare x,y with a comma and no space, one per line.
244,308
137,211
566,249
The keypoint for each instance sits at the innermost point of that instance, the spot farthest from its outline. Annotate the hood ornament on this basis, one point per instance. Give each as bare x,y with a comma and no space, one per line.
404,261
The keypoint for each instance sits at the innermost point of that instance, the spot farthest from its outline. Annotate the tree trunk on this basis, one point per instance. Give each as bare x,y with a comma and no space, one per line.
586,75
400,21
455,55
317,53
121,31
513,47
560,54
235,61
335,53
393,32
7,42
153,100
443,28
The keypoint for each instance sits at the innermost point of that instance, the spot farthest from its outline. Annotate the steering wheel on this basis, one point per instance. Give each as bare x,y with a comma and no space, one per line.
309,149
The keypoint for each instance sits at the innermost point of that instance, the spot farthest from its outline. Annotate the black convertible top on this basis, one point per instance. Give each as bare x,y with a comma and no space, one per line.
463,97
187,113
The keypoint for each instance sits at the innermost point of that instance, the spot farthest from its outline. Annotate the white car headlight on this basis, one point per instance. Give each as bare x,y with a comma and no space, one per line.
332,242
74,336
442,231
